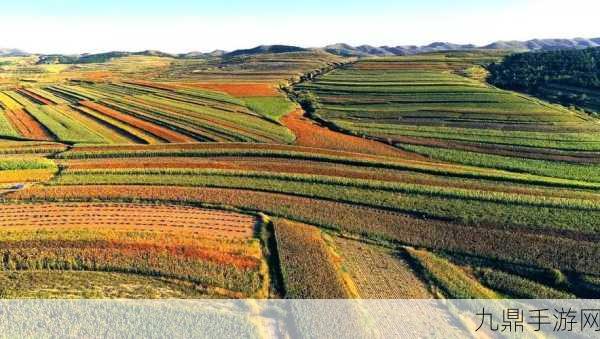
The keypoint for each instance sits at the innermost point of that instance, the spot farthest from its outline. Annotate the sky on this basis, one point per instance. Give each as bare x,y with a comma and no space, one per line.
178,26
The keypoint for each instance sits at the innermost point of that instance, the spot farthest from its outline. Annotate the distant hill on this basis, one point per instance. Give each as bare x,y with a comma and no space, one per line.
95,58
340,49
197,55
348,51
529,45
545,44
12,52
265,49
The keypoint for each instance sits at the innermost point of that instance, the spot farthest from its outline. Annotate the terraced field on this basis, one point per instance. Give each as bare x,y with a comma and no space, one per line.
411,179
214,250
133,112
426,104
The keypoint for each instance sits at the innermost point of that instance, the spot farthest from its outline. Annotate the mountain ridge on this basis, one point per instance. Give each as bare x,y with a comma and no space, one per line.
341,49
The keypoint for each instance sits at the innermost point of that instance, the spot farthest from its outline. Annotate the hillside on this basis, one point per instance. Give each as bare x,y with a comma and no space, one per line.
152,176
265,49
569,77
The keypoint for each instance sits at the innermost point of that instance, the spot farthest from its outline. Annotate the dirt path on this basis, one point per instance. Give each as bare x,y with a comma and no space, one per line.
310,134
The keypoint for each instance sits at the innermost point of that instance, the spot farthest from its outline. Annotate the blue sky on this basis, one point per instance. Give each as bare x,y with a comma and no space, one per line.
71,26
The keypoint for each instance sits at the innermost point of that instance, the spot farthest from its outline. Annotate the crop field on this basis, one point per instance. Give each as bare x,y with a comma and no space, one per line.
200,246
306,265
294,175
135,112
379,272
427,105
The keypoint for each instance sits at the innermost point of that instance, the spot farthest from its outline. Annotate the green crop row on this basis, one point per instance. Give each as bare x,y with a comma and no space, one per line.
590,173
469,207
22,163
436,169
65,128
6,128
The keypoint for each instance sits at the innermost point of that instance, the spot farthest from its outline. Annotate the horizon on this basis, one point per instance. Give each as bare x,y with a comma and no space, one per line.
46,27
305,47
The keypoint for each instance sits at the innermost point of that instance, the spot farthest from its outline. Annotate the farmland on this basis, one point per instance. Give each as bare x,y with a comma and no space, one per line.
404,177
427,102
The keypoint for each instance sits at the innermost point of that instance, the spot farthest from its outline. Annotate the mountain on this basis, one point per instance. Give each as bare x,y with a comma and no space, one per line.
198,55
345,50
340,49
265,49
95,58
367,50
529,45
12,52
545,44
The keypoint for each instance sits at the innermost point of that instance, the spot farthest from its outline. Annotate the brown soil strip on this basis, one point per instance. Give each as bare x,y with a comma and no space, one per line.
27,126
310,134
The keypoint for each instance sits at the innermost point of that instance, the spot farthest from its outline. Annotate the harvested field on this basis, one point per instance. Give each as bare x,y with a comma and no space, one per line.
545,251
380,273
206,250
306,264
204,222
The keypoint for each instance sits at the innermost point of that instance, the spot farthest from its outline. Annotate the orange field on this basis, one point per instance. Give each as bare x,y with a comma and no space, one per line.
204,222
240,89
35,97
310,134
27,125
159,131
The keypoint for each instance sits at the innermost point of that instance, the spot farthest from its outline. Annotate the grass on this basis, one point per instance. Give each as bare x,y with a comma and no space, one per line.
25,163
273,108
518,287
452,280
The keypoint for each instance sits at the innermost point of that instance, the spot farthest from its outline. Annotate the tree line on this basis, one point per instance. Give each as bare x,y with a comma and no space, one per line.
530,71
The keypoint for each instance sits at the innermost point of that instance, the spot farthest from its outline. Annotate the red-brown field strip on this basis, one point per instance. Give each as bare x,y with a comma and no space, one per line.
35,97
239,89
159,131
125,216
310,134
27,126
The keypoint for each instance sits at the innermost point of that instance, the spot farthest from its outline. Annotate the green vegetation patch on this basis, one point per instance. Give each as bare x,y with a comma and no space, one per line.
273,108
540,167
24,163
